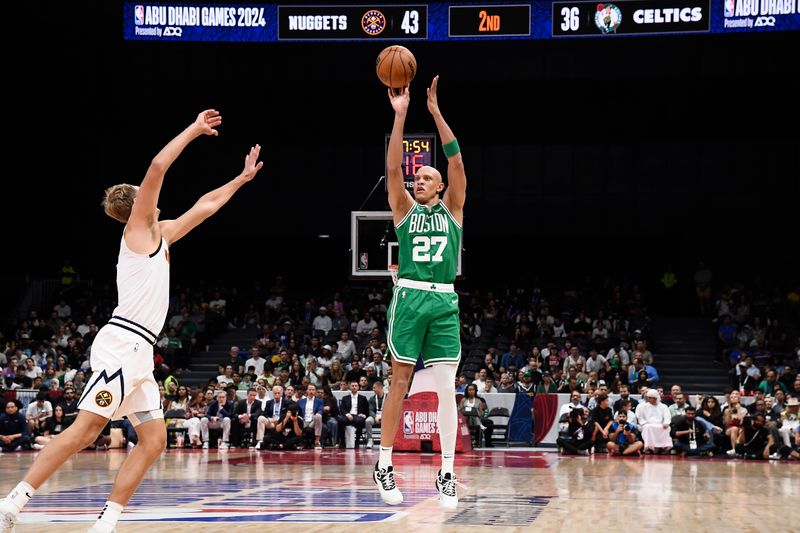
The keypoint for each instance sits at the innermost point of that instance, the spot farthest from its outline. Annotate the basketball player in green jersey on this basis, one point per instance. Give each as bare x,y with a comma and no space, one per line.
423,314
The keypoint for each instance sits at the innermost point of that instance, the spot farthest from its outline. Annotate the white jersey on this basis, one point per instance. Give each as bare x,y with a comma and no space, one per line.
143,289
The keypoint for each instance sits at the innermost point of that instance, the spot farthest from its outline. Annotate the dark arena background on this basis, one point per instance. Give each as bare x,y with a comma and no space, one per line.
642,170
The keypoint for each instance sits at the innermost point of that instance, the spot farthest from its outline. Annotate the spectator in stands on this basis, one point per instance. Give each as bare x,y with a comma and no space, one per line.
574,359
790,421
480,378
346,348
314,373
579,436
69,402
14,429
596,362
310,409
255,361
354,410
335,373
547,385
356,372
474,409
296,374
679,405
506,385
219,415
330,414
654,423
733,416
198,406
691,437
624,394
53,426
622,439
288,431
625,407
326,358
375,411
650,376
603,417
574,403
267,376
757,440
245,419
272,413
381,368
772,379
488,386
512,356
365,326
322,323
525,385
38,411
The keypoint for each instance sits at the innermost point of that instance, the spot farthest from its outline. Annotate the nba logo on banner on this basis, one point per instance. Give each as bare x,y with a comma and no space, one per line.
363,261
408,422
730,8
138,15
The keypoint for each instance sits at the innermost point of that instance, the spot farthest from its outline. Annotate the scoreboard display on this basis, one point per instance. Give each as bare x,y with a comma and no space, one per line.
440,21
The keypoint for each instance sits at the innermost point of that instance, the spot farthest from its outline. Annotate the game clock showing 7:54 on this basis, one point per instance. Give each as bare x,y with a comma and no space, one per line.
419,150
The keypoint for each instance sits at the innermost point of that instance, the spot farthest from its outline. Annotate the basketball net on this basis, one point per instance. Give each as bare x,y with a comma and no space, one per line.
393,271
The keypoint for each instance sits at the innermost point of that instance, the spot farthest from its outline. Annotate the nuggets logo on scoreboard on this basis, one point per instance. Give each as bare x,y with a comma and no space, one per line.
373,22
607,18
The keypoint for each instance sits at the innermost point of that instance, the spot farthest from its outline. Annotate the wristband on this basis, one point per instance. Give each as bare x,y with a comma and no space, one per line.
451,148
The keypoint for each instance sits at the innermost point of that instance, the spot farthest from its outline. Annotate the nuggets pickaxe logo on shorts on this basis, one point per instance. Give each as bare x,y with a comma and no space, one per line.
103,398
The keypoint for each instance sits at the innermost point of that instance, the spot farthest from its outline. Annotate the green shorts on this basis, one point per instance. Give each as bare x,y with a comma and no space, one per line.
423,322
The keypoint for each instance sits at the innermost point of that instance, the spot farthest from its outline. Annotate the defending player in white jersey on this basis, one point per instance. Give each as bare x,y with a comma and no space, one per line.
122,382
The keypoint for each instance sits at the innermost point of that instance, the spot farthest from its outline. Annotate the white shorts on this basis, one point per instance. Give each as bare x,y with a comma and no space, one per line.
122,380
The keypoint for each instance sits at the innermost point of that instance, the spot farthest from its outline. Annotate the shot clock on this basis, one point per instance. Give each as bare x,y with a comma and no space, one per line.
419,150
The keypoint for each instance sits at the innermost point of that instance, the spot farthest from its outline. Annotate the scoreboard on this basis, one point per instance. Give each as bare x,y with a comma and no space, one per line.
440,21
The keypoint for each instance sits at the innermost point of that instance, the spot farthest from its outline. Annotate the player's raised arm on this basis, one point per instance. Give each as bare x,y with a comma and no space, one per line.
143,210
209,203
399,199
456,192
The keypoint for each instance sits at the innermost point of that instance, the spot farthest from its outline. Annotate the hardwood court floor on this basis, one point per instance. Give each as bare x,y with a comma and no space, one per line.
332,491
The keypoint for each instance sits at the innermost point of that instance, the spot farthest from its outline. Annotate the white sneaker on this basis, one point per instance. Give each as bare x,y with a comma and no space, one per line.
731,452
258,445
205,445
8,523
446,485
384,478
36,446
131,445
224,446
775,455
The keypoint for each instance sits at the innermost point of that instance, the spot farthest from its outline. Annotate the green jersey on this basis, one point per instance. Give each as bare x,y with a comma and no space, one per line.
429,242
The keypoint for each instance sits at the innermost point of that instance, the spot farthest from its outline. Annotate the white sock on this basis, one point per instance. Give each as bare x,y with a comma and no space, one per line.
17,498
108,518
385,458
447,462
444,376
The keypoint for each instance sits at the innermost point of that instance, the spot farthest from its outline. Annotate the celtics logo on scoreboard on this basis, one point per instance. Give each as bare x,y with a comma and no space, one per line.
607,18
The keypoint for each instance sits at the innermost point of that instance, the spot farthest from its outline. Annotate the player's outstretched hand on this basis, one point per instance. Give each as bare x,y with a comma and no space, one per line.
399,99
251,163
208,120
433,100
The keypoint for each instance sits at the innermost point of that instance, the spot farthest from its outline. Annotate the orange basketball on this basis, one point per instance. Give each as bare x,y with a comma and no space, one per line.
396,66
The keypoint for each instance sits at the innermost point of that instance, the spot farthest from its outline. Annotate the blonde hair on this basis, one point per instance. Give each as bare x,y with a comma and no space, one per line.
118,201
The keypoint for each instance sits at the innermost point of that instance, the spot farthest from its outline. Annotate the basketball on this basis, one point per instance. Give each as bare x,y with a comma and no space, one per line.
396,66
